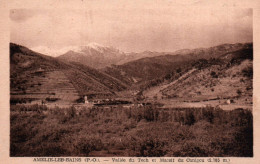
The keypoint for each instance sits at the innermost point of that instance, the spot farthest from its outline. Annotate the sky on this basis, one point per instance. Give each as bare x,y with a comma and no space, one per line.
135,29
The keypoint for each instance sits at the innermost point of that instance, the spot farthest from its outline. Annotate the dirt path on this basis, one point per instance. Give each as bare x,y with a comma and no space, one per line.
176,103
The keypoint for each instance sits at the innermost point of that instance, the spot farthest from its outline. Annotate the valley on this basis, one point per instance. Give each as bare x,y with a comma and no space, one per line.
115,80
223,78
169,104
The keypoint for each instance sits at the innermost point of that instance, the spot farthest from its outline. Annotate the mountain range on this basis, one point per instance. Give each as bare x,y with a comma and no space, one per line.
98,71
98,56
150,68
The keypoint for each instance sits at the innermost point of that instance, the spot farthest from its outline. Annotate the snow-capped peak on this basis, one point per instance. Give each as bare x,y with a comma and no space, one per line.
78,49
95,45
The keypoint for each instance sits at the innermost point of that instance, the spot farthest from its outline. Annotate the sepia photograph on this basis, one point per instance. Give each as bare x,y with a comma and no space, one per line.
132,81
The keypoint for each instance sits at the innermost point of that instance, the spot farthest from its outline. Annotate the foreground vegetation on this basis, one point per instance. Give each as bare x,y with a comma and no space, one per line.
136,131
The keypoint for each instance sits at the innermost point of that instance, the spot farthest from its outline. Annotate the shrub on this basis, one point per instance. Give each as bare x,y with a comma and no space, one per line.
87,144
248,72
148,147
208,115
191,149
239,92
138,131
189,118
213,74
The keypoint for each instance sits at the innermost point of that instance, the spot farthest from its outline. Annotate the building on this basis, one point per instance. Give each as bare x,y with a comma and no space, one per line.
86,100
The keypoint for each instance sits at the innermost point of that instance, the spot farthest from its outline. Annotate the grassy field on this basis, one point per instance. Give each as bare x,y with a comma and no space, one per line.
136,131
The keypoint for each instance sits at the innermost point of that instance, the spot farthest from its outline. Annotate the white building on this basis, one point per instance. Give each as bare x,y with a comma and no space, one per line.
86,100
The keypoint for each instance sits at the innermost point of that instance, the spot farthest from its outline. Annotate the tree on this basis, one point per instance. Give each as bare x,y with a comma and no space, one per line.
239,92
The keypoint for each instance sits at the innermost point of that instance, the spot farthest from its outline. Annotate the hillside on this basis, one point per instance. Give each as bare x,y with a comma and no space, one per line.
227,77
146,71
38,77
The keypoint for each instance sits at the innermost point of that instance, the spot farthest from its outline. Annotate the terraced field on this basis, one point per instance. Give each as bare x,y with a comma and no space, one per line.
37,78
50,85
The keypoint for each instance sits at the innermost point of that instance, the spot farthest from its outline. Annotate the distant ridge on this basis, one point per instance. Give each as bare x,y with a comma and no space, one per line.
99,56
151,68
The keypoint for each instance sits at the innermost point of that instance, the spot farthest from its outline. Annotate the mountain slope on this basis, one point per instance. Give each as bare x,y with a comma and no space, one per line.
36,76
151,69
230,76
93,55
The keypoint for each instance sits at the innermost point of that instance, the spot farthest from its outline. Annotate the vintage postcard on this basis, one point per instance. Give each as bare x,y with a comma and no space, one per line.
130,82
